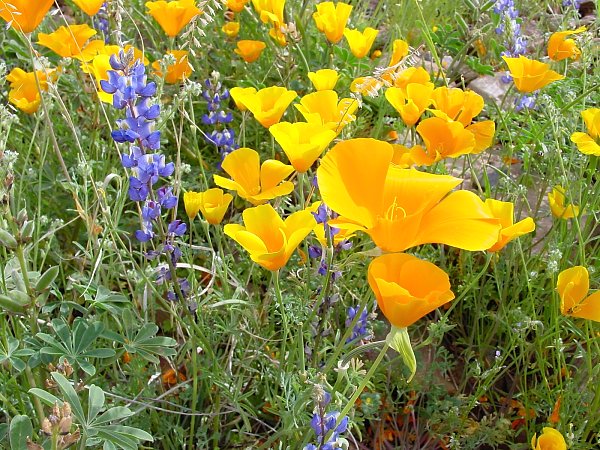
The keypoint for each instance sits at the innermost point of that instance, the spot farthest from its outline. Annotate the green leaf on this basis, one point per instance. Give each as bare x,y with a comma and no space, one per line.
131,431
63,332
47,278
46,397
115,413
100,353
90,335
70,396
87,367
20,429
399,340
124,442
3,431
147,331
95,402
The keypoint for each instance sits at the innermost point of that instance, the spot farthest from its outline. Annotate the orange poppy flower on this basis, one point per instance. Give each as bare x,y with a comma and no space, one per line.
252,181
504,212
589,143
67,41
268,104
530,75
331,19
24,15
400,208
560,48
270,240
90,7
407,288
573,286
173,16
213,204
176,72
323,107
410,102
302,142
24,93
250,50
360,42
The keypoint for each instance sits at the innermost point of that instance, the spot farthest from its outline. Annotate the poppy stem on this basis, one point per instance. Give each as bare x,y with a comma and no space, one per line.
359,390
283,318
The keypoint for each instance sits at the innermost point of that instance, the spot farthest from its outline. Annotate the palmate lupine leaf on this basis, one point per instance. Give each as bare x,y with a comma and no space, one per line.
145,343
96,428
75,344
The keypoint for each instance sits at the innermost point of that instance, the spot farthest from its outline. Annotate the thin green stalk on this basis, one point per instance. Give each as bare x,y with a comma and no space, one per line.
359,390
284,318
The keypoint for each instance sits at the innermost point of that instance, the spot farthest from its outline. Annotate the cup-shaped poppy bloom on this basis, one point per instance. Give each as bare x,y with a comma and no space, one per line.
24,93
407,288
238,94
176,72
463,106
504,211
530,75
559,47
302,142
550,439
410,102
324,108
331,19
236,5
411,75
24,15
589,143
324,79
368,86
278,33
457,104
90,7
560,210
254,182
270,10
231,29
400,208
360,42
67,41
92,48
269,239
443,139
573,285
213,204
269,104
250,50
399,51
173,16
